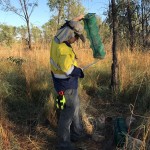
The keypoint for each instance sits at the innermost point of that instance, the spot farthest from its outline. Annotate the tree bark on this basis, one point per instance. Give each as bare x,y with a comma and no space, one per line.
60,9
147,19
131,30
29,34
142,10
114,68
26,16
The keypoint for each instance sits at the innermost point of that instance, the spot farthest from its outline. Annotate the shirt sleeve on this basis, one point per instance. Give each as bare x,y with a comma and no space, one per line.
77,72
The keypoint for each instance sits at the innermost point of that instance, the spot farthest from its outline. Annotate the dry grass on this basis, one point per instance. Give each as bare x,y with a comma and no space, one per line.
35,70
133,66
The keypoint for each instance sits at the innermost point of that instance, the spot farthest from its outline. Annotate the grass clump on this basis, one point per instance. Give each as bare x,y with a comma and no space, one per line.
27,95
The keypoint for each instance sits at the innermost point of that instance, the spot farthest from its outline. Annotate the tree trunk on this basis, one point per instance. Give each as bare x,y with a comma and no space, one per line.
114,68
143,36
68,12
147,41
131,31
27,21
60,9
147,29
59,13
29,34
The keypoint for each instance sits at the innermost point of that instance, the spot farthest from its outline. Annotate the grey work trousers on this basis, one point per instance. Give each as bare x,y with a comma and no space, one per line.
69,123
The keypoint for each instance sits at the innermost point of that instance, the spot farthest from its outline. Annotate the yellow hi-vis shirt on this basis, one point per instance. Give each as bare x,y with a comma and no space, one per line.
62,59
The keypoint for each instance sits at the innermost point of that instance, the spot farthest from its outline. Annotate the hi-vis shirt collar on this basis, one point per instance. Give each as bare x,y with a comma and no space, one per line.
68,44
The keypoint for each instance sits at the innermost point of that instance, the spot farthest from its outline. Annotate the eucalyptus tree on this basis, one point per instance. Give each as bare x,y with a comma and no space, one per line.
73,9
49,29
58,5
114,68
128,21
145,21
22,8
7,34
36,34
66,9
21,32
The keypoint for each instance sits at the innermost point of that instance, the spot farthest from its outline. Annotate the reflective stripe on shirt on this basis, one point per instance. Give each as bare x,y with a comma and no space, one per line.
54,64
70,70
61,76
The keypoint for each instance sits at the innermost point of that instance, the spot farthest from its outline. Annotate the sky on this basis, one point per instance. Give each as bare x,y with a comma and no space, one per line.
42,14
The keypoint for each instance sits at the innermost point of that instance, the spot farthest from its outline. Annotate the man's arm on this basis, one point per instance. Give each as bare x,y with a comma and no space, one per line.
78,18
68,68
77,72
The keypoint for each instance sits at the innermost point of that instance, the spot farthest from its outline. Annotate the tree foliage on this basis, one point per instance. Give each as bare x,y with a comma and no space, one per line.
36,34
133,22
24,9
7,34
66,9
22,32
49,29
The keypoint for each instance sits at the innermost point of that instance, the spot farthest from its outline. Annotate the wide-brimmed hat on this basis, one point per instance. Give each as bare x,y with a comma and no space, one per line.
68,30
78,29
